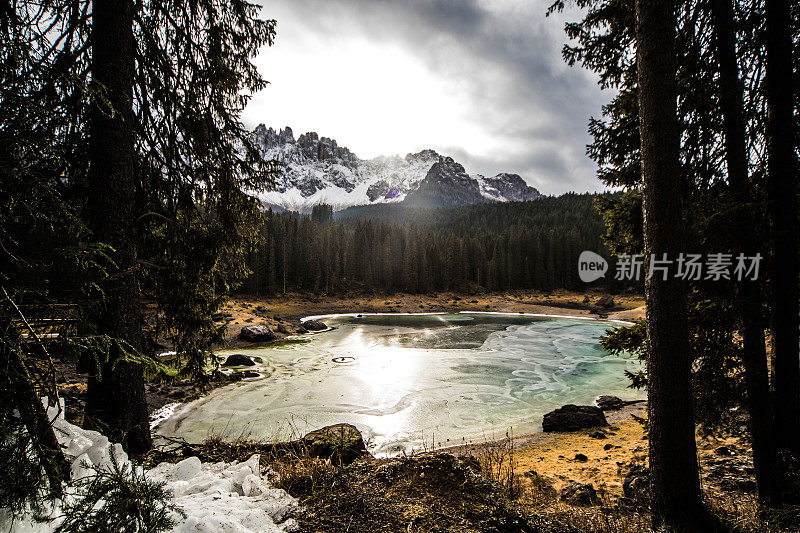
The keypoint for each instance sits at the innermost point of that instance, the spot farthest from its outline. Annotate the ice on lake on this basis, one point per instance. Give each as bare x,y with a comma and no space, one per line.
414,381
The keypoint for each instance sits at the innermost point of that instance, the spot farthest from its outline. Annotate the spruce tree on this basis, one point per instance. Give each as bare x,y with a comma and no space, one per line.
674,479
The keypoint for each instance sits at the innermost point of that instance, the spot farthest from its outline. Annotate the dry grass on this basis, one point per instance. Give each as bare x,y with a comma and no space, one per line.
482,490
536,497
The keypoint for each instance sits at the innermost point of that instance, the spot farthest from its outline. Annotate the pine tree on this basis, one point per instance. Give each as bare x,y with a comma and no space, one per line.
115,400
783,189
749,297
675,485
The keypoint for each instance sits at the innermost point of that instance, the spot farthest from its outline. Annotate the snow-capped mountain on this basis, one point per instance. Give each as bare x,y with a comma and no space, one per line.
318,170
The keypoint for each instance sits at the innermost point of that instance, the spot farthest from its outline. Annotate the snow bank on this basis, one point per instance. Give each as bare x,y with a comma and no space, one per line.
233,497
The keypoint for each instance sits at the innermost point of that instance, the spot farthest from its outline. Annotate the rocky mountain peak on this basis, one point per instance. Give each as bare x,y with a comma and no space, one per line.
318,170
423,155
445,184
508,187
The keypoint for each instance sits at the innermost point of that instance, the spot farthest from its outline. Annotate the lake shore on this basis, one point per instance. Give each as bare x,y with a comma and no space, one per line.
283,313
553,455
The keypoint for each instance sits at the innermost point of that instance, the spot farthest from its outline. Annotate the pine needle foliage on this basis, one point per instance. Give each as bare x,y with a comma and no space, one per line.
119,499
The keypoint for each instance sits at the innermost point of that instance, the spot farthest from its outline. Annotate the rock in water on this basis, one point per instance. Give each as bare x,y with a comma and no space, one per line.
579,494
607,403
238,359
342,443
257,334
573,417
314,325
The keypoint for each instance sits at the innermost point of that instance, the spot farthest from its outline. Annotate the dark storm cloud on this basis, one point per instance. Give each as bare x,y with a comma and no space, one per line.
507,57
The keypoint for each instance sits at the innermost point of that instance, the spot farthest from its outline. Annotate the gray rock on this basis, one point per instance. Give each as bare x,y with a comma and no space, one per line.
606,302
607,403
314,325
341,443
238,359
573,417
257,334
579,494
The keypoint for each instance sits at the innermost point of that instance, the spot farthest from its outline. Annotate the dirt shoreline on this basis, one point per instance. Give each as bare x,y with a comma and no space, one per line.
282,314
553,455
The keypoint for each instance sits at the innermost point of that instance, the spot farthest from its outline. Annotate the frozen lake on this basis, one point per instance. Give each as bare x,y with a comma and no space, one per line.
408,381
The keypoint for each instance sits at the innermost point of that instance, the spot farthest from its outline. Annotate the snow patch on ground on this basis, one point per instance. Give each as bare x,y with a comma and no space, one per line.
234,497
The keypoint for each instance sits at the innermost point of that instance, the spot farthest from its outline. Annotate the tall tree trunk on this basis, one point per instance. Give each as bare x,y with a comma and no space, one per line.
748,291
675,485
116,398
782,179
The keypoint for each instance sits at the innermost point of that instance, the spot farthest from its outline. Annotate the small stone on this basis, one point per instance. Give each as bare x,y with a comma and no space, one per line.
581,458
597,435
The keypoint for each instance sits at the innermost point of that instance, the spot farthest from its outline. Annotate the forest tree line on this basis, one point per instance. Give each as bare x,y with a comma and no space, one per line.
495,247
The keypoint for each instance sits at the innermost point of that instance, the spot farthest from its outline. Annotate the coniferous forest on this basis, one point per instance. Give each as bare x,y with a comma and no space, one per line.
495,247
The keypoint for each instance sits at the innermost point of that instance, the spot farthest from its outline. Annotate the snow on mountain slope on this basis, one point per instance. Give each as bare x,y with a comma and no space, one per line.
318,170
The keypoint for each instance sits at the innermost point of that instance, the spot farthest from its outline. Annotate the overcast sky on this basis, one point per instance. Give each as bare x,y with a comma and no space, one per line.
481,81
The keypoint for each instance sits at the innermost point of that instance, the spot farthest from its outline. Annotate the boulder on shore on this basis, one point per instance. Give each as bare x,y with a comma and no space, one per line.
238,359
341,443
314,325
257,334
608,403
606,302
573,417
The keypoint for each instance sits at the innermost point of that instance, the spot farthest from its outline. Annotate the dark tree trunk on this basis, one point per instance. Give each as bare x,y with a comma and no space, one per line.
675,485
782,179
40,430
748,291
116,398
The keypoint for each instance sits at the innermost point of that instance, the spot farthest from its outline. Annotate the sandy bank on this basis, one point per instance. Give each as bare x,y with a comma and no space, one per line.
553,454
287,310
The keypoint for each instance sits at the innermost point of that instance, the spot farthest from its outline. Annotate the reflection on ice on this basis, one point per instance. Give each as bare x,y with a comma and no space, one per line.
406,379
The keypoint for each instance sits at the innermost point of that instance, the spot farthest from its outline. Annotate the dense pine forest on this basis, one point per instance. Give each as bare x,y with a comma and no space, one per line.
524,245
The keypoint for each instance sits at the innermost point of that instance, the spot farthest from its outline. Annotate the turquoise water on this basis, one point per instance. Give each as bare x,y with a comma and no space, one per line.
414,381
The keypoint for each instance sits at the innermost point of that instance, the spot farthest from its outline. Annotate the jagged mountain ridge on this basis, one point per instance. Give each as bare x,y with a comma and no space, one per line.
318,170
